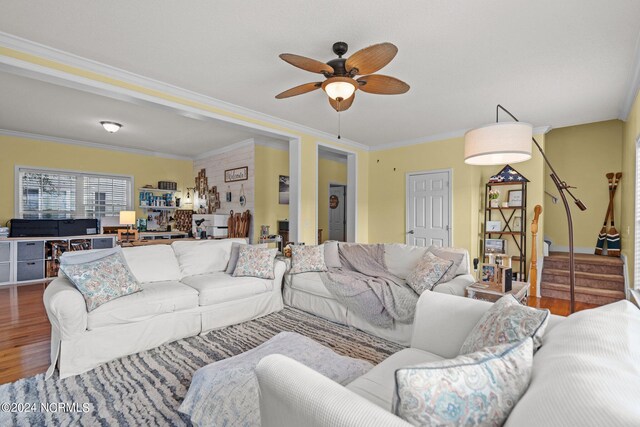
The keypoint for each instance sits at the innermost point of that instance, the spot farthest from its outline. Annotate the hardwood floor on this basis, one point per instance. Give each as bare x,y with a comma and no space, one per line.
25,329
24,332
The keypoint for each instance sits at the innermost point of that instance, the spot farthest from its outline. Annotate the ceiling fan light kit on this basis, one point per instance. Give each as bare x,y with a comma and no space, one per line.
340,84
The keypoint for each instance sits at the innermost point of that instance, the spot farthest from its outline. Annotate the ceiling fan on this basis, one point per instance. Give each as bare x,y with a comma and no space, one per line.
341,84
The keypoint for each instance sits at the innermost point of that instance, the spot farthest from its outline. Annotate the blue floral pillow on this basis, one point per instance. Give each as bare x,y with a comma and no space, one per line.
478,389
101,279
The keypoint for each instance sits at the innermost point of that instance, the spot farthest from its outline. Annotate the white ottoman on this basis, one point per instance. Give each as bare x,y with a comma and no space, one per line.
226,392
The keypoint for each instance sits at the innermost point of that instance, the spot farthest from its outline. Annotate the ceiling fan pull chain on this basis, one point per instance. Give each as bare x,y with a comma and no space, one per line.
339,124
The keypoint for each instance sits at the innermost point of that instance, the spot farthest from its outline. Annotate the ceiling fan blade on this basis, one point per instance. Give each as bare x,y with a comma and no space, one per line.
382,85
342,105
372,58
299,90
307,64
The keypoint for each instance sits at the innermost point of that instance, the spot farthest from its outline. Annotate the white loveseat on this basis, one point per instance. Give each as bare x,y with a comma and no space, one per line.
307,292
185,292
586,373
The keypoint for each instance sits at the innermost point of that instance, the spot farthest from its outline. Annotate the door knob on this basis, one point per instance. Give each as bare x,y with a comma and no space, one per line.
410,232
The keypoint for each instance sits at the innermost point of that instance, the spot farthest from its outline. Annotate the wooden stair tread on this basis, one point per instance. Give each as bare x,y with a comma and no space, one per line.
585,290
586,275
585,258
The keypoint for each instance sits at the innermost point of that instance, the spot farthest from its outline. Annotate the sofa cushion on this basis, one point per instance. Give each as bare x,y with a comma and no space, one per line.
587,373
331,254
152,263
378,385
401,259
307,258
309,282
155,299
101,279
429,271
471,390
203,256
216,288
507,321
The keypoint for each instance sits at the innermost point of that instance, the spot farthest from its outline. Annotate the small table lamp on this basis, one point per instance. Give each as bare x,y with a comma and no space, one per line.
128,218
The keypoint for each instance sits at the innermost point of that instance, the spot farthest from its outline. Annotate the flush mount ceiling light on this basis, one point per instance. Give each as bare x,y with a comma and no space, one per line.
111,127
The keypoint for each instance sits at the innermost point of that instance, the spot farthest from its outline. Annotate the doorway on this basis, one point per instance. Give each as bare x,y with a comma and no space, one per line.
428,207
337,212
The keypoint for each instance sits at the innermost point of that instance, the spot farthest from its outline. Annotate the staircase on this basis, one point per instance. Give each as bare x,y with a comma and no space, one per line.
599,279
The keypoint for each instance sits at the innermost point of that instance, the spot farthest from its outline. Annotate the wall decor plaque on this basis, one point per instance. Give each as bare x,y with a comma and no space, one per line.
237,174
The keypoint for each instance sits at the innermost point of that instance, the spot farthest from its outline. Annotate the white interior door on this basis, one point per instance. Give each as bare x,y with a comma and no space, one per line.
428,198
337,219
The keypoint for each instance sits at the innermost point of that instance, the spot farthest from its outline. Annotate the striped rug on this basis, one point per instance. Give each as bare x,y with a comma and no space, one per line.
147,388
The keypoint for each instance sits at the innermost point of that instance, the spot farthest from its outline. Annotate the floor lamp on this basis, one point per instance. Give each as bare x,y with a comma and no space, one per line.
502,143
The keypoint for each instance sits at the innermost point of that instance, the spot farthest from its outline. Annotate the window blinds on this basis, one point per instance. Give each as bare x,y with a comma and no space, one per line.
59,194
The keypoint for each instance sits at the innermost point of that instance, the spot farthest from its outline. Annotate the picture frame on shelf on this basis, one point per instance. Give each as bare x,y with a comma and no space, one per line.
488,273
494,226
517,223
495,246
515,198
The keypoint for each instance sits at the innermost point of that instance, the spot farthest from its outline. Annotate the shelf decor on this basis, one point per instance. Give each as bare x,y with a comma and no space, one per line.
503,223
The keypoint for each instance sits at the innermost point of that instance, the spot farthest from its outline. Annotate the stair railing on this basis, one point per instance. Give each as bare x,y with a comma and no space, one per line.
533,272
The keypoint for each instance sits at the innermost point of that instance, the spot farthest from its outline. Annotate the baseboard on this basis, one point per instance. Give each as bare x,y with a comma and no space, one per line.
577,250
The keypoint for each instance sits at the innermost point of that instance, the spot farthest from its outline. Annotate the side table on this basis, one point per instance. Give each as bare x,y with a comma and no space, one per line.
493,292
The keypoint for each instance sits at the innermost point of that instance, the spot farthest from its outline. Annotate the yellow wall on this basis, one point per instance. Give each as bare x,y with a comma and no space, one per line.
388,169
308,228
627,229
329,172
582,155
270,163
28,152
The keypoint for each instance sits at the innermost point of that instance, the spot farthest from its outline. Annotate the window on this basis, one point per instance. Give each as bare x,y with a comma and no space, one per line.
54,194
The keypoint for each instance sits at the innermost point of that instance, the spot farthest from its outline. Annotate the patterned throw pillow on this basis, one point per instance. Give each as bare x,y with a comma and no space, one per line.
307,258
429,270
477,389
102,280
507,321
255,262
456,257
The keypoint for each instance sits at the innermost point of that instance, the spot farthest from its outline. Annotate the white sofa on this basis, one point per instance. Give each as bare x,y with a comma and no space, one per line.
185,292
587,372
307,292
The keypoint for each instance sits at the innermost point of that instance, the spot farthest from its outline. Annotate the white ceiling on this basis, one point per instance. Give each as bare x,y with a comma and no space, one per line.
33,106
550,62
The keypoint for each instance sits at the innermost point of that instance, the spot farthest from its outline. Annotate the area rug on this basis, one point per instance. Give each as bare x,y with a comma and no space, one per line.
147,388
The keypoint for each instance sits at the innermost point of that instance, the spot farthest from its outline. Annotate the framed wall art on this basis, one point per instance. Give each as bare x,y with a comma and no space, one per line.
237,174
515,198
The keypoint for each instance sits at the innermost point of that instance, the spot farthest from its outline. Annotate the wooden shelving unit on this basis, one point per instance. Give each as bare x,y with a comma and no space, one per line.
506,215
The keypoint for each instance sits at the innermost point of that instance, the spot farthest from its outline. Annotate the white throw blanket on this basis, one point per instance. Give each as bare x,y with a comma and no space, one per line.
225,393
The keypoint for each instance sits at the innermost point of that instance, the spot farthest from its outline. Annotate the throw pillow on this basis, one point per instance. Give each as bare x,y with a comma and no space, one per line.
428,272
476,389
455,257
255,262
507,321
101,278
307,258
235,253
331,254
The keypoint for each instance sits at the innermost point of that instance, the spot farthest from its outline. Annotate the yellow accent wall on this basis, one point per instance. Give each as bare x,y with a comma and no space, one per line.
329,172
307,229
270,163
631,133
28,152
582,155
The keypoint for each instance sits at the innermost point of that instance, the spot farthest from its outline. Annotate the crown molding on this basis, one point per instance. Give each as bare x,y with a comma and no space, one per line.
68,141
46,52
441,137
634,86
225,149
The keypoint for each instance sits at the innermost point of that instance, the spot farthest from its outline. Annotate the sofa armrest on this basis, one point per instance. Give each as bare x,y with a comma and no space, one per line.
456,286
66,308
443,321
293,395
279,269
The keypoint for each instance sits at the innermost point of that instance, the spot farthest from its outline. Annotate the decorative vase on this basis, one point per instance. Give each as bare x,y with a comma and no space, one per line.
494,203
